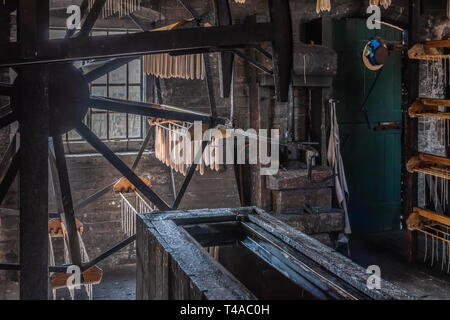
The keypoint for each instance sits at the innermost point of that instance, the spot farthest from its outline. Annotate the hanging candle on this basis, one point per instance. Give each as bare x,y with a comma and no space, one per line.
120,7
323,5
384,3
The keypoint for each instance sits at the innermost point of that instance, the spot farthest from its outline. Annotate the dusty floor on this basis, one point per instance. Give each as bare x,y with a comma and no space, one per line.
388,251
119,284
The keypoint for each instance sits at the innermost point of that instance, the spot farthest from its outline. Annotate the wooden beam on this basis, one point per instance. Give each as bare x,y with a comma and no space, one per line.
433,216
135,44
151,110
435,159
410,132
435,102
223,17
437,44
33,84
66,197
34,183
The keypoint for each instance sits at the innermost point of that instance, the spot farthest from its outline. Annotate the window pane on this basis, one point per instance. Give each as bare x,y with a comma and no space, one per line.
118,92
134,93
99,91
117,125
134,70
101,80
99,125
134,126
118,75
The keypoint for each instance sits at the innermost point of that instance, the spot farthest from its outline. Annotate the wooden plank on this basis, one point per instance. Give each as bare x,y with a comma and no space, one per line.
32,26
206,274
433,216
410,125
93,275
298,179
313,223
33,184
287,200
223,17
436,159
437,44
260,118
435,102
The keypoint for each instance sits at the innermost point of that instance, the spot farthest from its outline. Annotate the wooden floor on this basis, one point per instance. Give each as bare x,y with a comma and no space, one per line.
388,251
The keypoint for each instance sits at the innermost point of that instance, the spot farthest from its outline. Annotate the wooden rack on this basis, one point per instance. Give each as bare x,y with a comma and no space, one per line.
425,107
167,66
435,228
432,225
430,164
59,280
429,50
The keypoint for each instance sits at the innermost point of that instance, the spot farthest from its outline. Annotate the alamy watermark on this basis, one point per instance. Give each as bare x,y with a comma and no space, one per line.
373,21
74,20
374,280
74,280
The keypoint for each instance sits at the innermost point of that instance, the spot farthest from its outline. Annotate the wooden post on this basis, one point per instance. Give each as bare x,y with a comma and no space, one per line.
34,127
410,133
33,105
260,107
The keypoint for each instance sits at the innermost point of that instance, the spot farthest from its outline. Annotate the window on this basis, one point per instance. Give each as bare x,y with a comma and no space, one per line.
126,83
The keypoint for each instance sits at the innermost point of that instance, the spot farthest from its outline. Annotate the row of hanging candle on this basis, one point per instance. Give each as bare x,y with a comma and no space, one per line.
432,247
438,233
443,131
437,73
325,5
123,7
383,3
165,66
120,7
174,148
